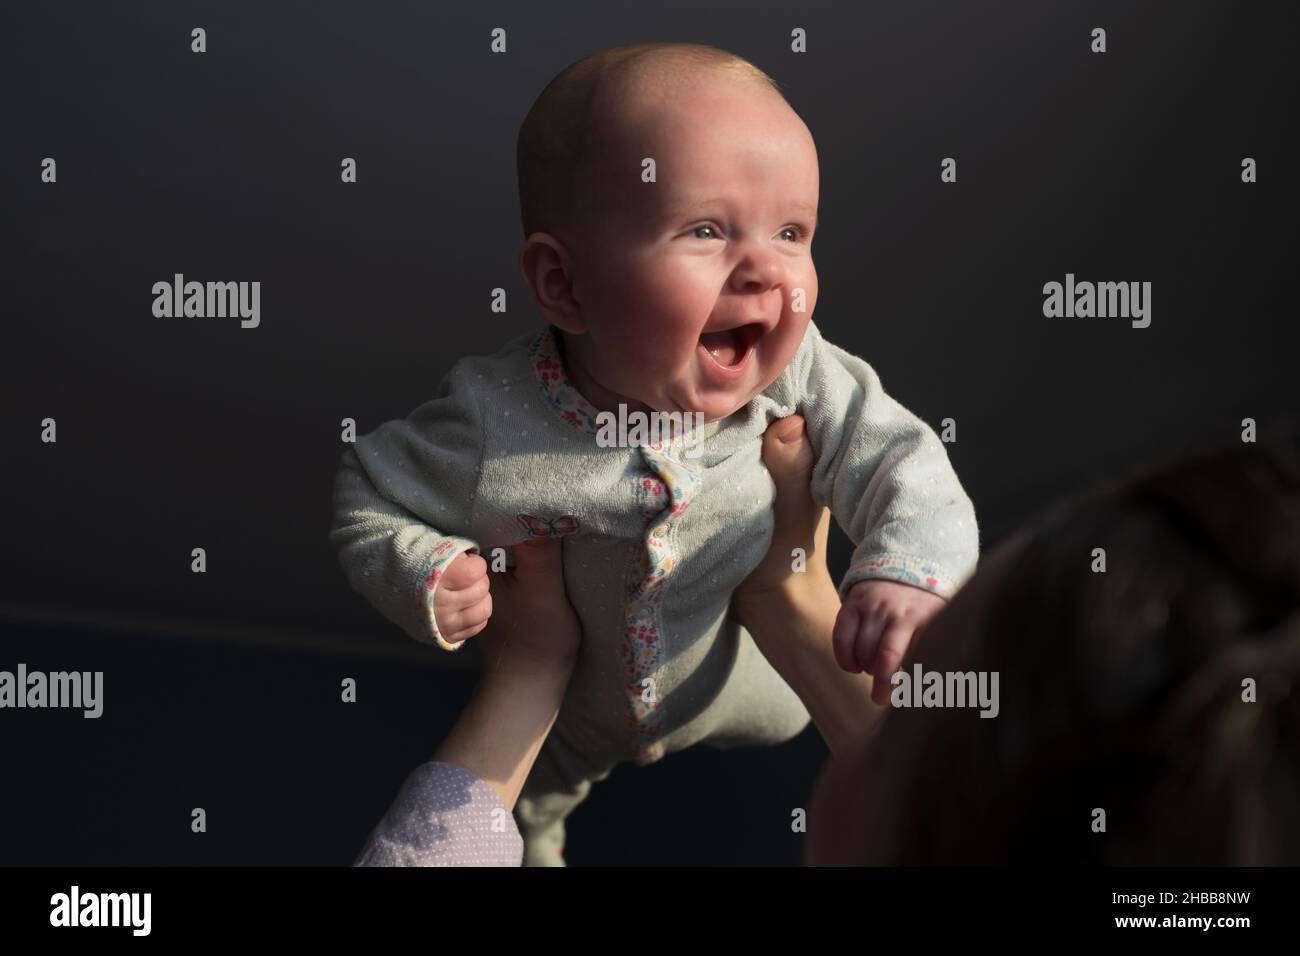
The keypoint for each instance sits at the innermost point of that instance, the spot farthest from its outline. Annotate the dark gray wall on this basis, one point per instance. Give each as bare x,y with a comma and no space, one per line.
177,433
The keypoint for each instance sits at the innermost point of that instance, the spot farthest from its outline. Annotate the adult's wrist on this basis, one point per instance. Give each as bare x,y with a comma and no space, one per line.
793,596
502,728
499,656
792,625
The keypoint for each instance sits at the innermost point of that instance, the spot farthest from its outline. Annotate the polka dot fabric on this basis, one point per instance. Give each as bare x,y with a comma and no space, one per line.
444,816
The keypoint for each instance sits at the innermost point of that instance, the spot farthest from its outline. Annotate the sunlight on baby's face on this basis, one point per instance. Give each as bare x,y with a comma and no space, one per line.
721,238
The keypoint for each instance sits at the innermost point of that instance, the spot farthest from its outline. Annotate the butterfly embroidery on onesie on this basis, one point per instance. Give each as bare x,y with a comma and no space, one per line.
555,528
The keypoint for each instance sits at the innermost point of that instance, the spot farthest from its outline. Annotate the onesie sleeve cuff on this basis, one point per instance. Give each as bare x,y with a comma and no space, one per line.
446,552
904,569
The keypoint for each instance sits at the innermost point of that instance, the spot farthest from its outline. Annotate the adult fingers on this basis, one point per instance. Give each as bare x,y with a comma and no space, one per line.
538,560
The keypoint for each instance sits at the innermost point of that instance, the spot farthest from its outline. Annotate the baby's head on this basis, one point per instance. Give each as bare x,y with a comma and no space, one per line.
644,278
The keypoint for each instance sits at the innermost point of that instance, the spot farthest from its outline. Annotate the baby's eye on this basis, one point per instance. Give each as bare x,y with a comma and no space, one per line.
697,229
798,232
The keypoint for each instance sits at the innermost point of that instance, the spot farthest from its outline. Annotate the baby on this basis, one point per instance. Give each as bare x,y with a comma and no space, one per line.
669,197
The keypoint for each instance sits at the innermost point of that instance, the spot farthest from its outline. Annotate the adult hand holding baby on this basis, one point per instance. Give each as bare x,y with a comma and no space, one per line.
791,615
878,619
529,649
532,622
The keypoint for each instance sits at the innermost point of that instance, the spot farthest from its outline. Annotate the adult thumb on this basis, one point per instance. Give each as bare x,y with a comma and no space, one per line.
538,559
788,454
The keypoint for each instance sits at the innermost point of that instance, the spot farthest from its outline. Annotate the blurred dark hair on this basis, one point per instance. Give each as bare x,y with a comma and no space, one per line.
1124,690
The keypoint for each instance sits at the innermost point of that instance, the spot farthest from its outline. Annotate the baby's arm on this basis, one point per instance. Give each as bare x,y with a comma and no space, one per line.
887,479
402,513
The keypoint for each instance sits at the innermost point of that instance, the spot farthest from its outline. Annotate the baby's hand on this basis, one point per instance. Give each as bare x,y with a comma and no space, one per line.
876,623
463,603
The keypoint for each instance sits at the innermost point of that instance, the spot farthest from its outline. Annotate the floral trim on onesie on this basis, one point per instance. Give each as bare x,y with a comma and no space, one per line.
544,356
446,552
663,494
664,487
908,570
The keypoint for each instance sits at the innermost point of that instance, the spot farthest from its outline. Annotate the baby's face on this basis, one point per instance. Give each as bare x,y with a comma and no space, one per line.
720,241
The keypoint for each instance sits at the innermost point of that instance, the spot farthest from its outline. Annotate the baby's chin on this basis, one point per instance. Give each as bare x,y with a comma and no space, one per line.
714,404
717,407
711,410
715,414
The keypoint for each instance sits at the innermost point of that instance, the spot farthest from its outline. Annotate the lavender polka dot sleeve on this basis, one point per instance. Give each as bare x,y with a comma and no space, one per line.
444,816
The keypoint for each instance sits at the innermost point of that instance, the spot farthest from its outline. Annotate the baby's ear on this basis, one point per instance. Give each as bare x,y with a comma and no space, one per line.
547,267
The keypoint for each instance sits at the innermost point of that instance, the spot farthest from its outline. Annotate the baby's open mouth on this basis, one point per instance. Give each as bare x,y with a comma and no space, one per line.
729,347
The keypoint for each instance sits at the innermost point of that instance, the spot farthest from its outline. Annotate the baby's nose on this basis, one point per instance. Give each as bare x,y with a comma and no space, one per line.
759,270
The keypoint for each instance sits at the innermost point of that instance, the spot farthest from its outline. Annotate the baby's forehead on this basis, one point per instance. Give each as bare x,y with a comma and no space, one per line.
701,123
675,117
626,100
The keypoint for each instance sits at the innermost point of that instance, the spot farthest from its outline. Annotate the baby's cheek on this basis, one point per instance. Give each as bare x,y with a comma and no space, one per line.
806,279
786,339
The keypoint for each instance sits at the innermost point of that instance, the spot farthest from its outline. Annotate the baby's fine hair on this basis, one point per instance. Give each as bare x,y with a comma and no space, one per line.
560,137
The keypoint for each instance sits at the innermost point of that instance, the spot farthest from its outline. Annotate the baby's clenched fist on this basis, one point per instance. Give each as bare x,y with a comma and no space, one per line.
462,603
